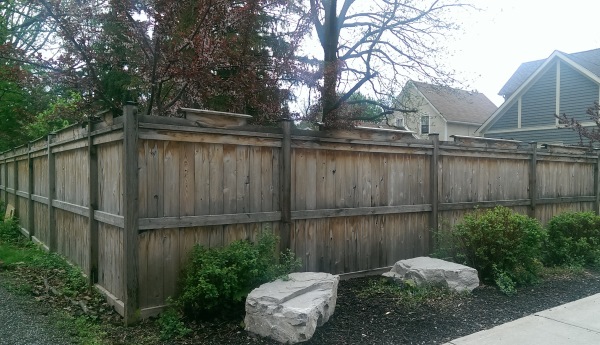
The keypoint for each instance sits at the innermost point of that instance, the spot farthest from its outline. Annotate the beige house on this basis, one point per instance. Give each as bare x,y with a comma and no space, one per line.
441,109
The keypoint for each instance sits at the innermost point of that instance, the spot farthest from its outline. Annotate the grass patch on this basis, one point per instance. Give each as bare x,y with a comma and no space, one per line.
86,331
11,255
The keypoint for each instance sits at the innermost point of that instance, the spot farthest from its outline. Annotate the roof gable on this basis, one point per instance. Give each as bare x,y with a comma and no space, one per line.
457,105
589,58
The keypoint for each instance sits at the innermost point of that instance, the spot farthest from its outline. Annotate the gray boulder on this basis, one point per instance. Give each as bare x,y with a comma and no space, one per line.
289,311
426,270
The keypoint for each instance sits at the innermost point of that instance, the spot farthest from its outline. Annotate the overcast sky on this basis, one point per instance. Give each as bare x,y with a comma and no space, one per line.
506,33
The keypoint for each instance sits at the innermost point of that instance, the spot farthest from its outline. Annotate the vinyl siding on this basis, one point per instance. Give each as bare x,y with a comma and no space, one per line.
460,129
508,119
557,135
539,102
577,93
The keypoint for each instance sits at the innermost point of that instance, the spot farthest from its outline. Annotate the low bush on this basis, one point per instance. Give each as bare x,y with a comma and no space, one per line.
217,281
504,247
9,231
573,240
172,325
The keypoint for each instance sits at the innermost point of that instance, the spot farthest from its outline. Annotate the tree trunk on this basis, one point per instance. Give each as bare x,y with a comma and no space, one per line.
330,68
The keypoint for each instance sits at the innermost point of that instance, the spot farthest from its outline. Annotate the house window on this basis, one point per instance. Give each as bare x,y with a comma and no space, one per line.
424,124
399,122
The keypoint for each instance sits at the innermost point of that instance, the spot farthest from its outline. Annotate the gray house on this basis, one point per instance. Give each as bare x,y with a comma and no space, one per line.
443,110
538,90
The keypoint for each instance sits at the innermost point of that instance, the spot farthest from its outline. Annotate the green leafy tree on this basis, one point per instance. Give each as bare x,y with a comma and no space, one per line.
229,55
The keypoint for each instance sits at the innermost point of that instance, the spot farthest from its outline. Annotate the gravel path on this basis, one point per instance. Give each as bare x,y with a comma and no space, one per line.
23,322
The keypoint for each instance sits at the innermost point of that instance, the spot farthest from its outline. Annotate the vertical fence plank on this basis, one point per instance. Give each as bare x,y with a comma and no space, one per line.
597,185
186,180
266,179
533,192
286,184
229,179
5,178
434,190
171,178
215,159
30,205
51,195
201,180
92,206
130,214
15,183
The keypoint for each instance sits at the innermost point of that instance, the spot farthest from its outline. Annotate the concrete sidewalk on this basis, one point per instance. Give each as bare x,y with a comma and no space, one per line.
575,323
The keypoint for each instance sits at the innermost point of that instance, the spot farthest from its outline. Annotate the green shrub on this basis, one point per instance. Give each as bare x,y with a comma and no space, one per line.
216,281
501,245
9,231
573,239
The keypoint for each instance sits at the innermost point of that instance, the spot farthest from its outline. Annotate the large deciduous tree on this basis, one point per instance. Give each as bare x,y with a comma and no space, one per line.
378,43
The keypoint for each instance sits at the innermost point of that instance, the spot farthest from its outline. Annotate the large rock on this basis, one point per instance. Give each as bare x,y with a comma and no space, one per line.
426,270
290,310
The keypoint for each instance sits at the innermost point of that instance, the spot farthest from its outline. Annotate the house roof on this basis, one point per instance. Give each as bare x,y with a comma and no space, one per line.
589,59
457,105
586,62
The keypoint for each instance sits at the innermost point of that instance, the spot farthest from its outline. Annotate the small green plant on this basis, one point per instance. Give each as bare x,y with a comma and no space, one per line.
172,326
381,286
573,240
504,282
216,281
500,240
9,231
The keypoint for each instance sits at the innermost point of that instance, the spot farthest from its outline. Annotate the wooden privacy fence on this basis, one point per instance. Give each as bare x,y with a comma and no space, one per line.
126,199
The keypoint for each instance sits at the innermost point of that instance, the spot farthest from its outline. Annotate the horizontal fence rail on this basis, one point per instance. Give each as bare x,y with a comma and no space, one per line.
127,198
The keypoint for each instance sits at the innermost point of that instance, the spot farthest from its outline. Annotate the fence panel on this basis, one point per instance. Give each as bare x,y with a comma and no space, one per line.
358,202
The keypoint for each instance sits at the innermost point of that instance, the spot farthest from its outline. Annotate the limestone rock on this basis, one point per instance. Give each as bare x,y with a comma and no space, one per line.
289,311
426,270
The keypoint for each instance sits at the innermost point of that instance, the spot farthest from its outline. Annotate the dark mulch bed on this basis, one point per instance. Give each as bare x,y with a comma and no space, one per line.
383,319
375,318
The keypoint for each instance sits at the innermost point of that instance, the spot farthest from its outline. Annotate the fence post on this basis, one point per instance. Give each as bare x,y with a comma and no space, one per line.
533,179
130,214
286,183
92,206
30,205
597,185
434,183
52,245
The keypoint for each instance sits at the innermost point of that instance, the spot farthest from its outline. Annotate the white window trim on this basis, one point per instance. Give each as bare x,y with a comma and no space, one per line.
400,122
428,124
